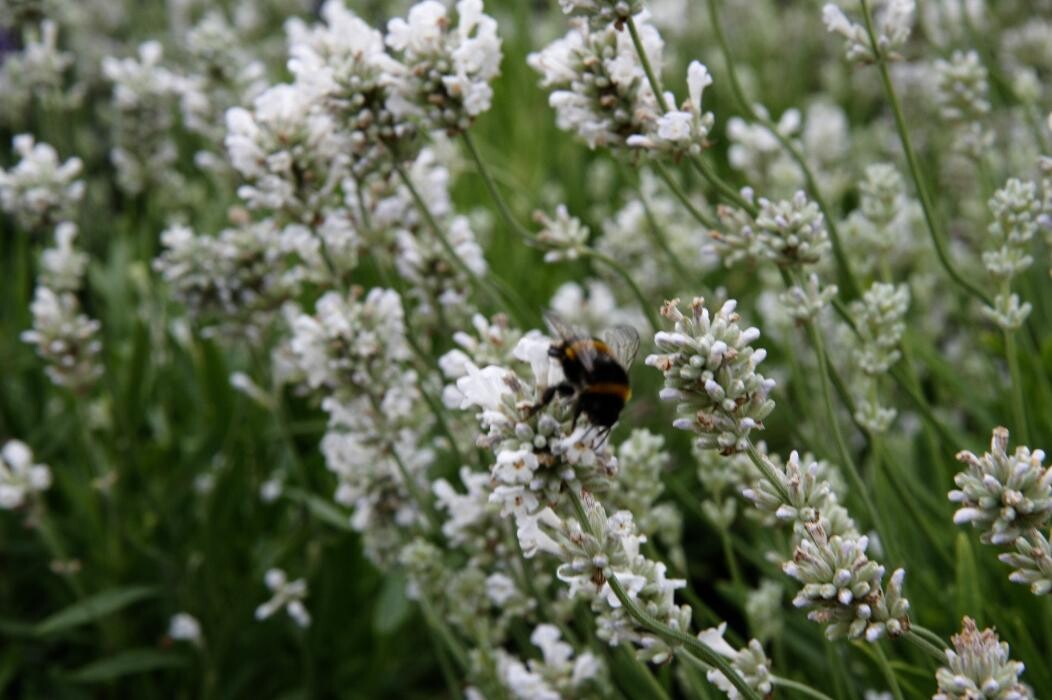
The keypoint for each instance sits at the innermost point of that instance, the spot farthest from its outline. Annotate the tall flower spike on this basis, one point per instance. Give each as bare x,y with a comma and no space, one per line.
978,666
41,190
710,373
1004,495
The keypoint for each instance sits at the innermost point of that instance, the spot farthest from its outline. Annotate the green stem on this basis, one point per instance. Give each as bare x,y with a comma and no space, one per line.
648,622
655,688
732,561
889,673
644,303
927,205
800,688
921,637
767,470
1018,401
847,277
455,649
452,684
676,190
498,198
414,490
658,235
838,437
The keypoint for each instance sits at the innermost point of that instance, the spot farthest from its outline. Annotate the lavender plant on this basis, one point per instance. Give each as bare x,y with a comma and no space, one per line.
274,302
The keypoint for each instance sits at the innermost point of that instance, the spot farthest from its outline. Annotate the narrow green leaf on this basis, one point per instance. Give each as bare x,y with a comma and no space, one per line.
321,509
969,595
92,608
126,663
392,607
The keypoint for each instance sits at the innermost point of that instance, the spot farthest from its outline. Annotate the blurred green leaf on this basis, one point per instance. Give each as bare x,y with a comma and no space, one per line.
392,607
126,663
92,608
321,509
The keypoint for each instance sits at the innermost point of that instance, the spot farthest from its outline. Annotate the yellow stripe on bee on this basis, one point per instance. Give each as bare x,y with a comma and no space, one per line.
588,345
614,389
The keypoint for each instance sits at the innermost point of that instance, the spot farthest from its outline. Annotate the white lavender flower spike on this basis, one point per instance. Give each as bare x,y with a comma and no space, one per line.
40,190
978,666
710,373
20,478
1004,495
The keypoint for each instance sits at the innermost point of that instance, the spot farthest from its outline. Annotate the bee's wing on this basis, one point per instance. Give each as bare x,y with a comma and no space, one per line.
623,342
583,352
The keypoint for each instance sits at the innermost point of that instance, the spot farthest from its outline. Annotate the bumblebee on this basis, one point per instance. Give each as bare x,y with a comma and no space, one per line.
595,370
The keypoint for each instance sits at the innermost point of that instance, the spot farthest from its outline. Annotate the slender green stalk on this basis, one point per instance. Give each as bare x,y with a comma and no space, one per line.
889,673
644,304
655,690
927,204
495,194
1018,402
422,501
799,688
444,665
847,278
768,471
732,561
438,627
693,644
848,461
676,190
659,238
928,641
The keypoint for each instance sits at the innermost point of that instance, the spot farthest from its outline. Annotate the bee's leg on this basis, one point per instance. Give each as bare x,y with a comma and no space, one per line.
601,436
563,389
576,414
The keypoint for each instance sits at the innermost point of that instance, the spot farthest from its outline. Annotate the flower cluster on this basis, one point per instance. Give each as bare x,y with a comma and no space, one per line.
286,594
37,72
892,25
19,477
146,99
599,89
238,279
562,237
40,190
681,131
961,93
601,548
536,451
750,662
843,587
557,674
1009,496
1005,495
710,374
978,666
448,69
1016,209
787,232
64,337
602,13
